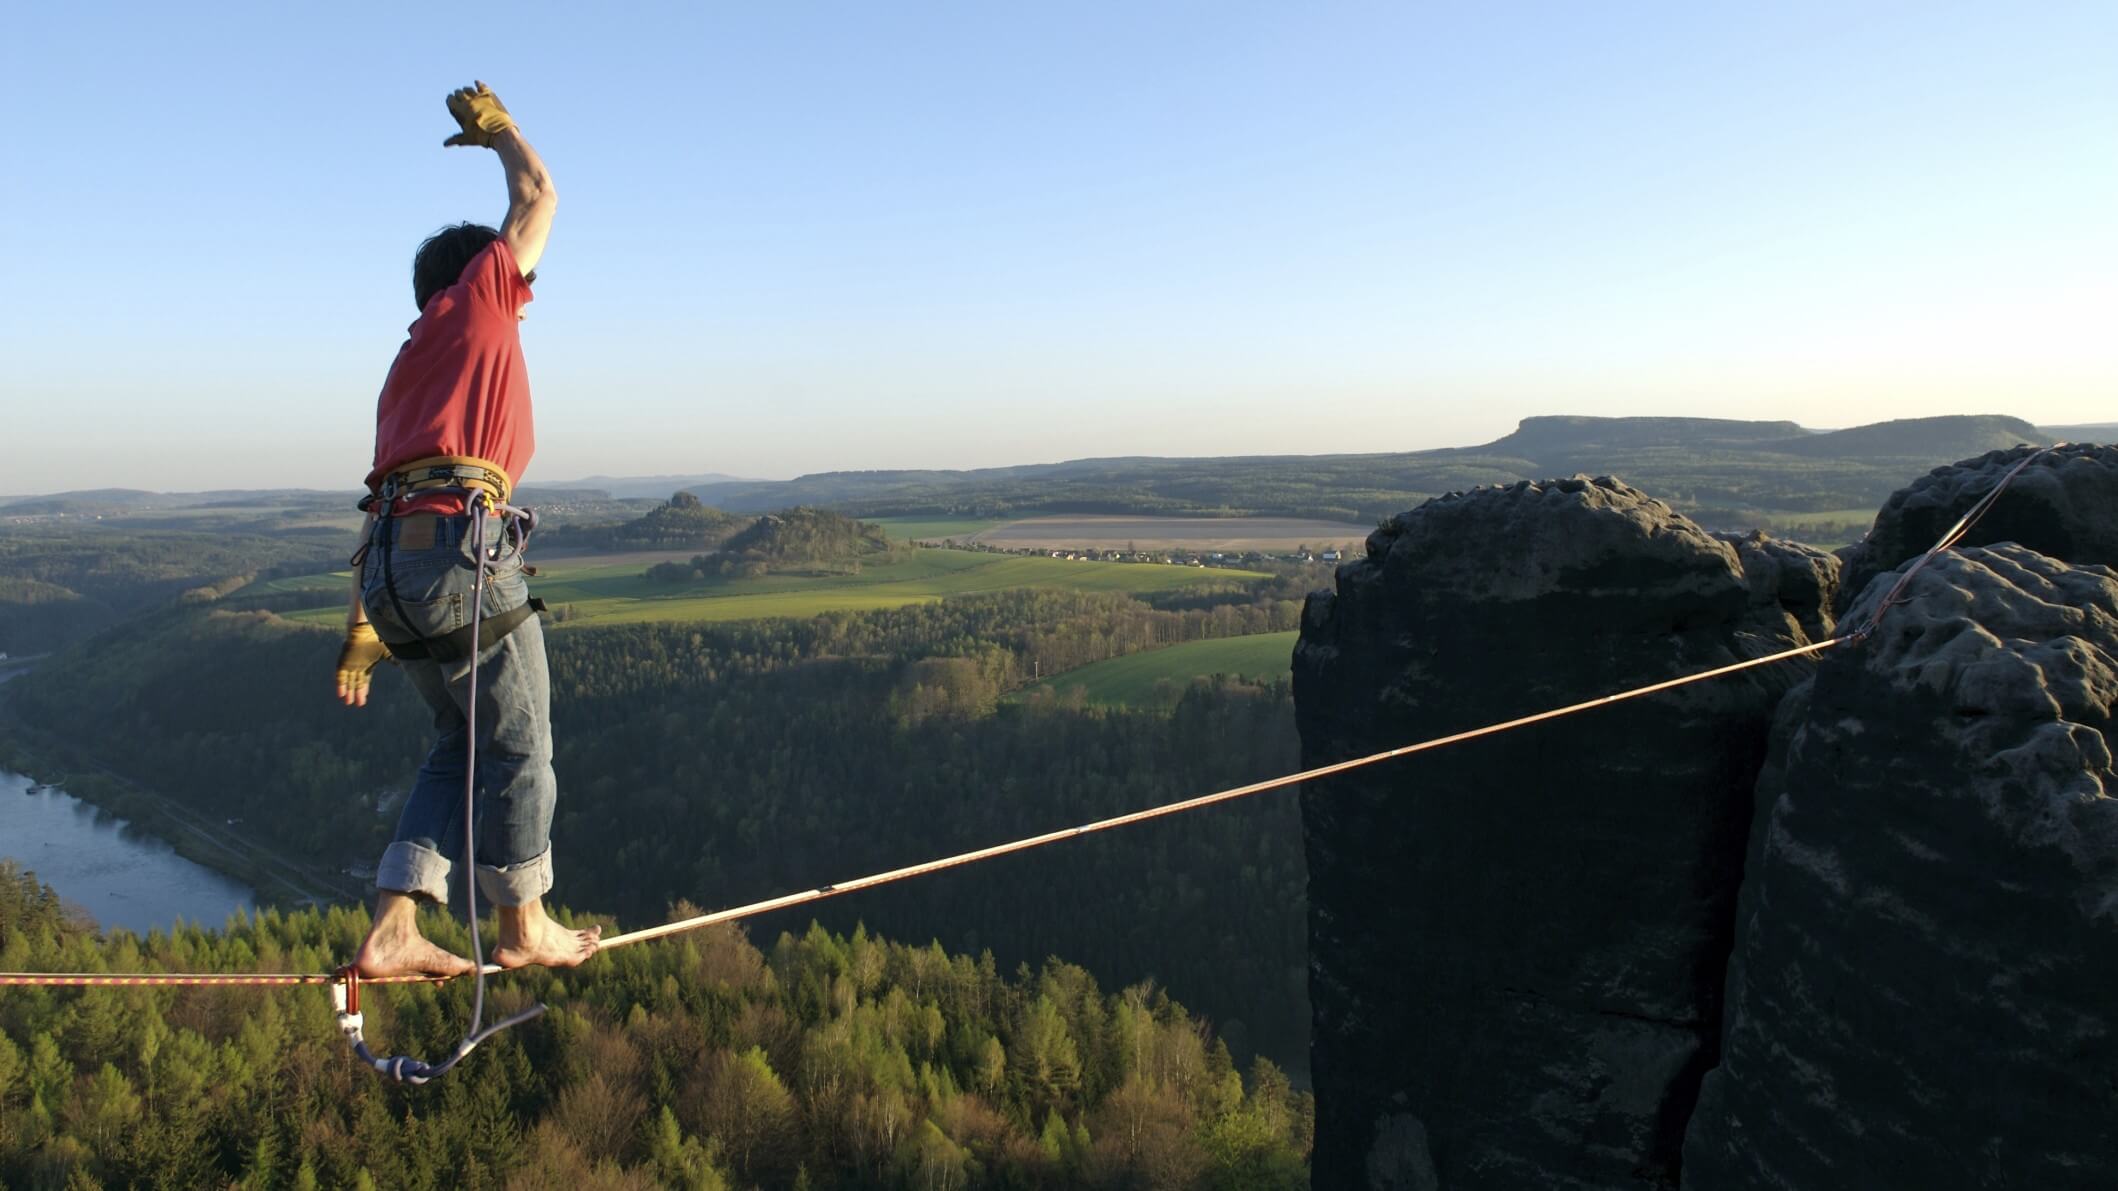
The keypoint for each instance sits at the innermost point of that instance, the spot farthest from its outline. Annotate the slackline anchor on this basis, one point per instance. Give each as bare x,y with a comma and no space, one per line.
345,998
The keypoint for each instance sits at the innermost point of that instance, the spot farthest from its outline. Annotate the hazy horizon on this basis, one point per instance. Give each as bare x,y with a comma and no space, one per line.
694,478
856,238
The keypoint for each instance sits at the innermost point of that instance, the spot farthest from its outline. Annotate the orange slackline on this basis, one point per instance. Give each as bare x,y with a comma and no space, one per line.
931,866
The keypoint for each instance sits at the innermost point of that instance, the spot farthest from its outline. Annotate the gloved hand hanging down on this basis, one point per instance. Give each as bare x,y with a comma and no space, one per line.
357,659
481,115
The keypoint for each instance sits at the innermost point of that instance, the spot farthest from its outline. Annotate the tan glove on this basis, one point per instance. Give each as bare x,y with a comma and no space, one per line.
480,114
357,659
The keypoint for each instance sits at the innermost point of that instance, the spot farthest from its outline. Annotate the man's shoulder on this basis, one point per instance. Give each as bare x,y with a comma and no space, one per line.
458,312
492,278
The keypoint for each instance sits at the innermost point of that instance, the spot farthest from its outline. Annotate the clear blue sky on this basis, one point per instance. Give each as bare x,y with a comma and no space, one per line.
797,237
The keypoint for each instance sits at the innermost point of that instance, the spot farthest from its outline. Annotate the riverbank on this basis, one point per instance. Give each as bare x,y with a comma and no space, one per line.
275,878
105,870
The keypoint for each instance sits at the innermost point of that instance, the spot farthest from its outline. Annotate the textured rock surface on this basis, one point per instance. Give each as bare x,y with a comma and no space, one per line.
1926,991
1791,585
1517,944
2064,505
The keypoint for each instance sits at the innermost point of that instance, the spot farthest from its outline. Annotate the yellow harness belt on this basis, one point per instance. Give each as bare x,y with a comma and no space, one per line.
449,471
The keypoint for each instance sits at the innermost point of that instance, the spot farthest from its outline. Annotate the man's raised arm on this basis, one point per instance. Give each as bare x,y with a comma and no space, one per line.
531,198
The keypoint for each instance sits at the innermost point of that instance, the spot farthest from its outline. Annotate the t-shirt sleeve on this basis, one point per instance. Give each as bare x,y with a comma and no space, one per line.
495,281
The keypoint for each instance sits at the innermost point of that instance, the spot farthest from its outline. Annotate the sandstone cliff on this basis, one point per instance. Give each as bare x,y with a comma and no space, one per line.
1925,991
1903,873
1517,945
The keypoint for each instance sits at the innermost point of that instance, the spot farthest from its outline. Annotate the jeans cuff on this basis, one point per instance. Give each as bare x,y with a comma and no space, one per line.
413,868
516,884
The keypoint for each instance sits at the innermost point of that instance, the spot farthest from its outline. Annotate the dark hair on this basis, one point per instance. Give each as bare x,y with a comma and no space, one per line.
440,260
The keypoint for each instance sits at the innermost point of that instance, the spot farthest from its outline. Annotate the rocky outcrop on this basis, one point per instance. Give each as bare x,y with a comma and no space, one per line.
1518,944
1926,991
2064,505
1791,585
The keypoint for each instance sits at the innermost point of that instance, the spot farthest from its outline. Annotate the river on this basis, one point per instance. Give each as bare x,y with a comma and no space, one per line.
121,875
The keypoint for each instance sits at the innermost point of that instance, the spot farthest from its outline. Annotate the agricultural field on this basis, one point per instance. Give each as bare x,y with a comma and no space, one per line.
593,590
1131,681
1271,534
1827,530
934,529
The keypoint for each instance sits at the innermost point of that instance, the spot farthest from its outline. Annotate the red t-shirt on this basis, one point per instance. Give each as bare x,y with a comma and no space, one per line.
459,386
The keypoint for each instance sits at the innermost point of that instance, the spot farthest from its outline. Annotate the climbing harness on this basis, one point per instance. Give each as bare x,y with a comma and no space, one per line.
481,484
345,990
458,472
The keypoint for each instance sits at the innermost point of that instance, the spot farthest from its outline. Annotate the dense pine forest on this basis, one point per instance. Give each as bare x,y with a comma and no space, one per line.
724,764
700,1062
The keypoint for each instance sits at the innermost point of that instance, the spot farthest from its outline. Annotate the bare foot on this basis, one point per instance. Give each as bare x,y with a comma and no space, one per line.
542,941
394,950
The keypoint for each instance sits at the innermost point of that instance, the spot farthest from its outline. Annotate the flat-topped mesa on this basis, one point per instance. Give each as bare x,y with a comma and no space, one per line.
1562,434
2064,505
1517,944
1923,992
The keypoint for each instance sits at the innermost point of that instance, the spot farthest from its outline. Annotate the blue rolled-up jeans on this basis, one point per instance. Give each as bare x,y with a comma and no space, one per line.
432,574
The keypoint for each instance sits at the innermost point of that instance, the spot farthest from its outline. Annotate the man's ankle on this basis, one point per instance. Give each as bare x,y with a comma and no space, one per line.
529,911
396,910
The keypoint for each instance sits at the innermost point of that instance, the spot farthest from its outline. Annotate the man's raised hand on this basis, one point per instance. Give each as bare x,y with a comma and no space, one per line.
480,114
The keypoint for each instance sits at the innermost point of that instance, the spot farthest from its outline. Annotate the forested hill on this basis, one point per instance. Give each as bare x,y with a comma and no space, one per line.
1719,470
682,523
61,583
808,535
829,1061
797,535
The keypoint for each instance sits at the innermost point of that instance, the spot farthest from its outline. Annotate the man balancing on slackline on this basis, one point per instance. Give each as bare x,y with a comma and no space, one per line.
452,433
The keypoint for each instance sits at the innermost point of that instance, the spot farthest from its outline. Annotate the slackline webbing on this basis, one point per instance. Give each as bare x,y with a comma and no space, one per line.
1052,837
786,901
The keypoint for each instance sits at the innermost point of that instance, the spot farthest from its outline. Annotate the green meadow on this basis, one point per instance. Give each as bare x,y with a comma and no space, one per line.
593,592
1130,681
